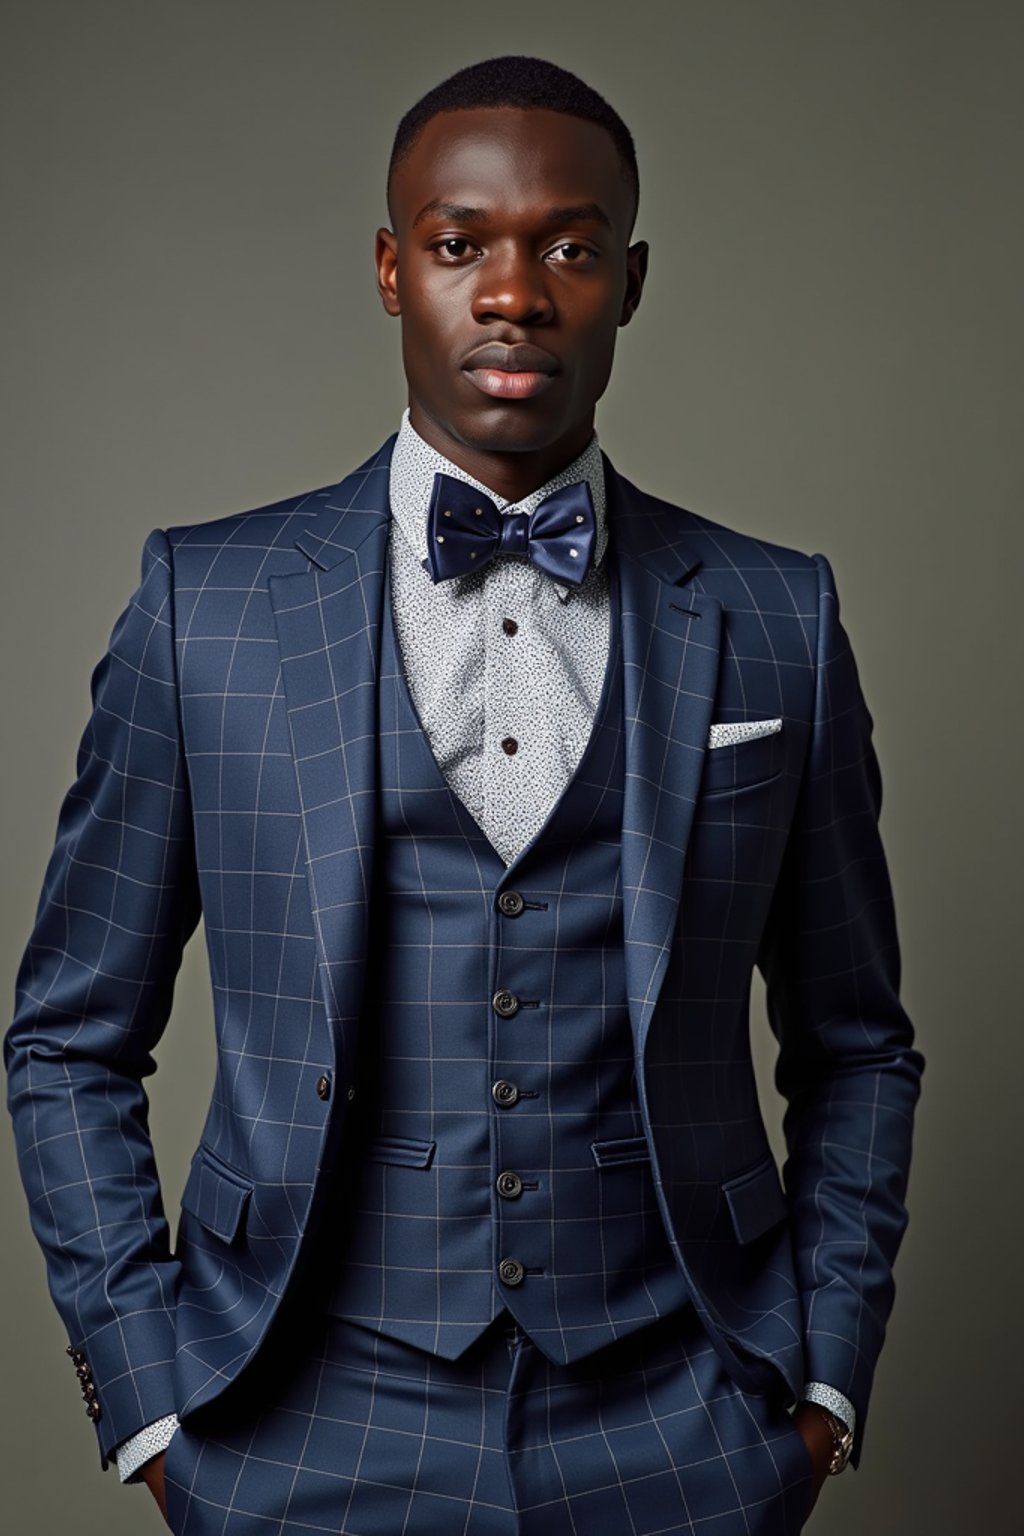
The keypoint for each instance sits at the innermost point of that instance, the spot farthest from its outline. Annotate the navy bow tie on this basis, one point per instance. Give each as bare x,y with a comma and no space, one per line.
465,530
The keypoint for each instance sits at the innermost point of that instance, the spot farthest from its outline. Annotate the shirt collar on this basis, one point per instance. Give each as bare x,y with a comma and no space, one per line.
414,463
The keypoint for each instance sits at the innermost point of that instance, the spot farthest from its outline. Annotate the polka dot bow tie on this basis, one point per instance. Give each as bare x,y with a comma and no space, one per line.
465,530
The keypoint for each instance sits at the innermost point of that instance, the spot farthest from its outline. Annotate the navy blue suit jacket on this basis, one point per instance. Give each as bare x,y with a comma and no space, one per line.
228,769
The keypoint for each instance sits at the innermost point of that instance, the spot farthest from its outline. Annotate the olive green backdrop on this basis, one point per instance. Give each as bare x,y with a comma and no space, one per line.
829,353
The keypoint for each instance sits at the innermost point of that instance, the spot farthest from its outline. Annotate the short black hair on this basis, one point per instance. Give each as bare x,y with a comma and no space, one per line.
517,80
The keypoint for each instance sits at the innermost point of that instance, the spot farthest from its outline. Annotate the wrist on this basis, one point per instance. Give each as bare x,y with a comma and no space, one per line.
840,1437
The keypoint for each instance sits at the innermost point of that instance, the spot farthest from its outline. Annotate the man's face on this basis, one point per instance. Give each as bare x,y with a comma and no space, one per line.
511,269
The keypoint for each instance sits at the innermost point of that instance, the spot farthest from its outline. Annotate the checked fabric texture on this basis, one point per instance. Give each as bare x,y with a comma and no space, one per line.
229,768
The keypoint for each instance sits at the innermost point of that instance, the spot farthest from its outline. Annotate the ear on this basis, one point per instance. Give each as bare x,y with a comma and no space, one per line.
386,258
636,272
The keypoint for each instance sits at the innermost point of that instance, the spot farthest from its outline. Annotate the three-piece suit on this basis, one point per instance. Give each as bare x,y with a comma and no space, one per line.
483,1231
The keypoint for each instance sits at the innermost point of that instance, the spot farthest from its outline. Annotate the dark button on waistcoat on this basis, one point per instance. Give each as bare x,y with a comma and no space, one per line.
506,1004
510,904
511,1272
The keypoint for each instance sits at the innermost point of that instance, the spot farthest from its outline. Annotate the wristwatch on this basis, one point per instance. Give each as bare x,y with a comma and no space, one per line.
842,1440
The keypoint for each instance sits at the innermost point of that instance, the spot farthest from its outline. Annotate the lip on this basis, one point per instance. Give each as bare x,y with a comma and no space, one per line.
514,357
508,384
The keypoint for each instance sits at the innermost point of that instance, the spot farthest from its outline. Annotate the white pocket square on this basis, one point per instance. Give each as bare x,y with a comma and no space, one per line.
747,730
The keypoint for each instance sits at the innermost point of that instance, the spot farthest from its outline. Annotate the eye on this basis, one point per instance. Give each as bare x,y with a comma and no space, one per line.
455,246
572,254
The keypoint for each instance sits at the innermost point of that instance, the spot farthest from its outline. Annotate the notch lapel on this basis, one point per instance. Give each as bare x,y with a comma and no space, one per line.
671,644
328,627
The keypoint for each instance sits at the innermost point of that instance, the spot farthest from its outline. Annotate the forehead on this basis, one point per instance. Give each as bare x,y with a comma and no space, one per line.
505,157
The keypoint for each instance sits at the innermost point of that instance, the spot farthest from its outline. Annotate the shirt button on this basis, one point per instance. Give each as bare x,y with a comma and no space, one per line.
509,1184
511,1272
504,1093
505,1004
323,1088
510,903
509,626
510,745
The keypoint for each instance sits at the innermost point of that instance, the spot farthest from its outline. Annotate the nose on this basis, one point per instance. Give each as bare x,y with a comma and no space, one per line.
512,287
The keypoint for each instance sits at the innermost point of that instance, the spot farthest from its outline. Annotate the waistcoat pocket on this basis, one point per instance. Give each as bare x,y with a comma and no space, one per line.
623,1150
401,1151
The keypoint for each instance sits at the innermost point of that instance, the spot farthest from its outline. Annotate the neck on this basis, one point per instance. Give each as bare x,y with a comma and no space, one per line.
510,474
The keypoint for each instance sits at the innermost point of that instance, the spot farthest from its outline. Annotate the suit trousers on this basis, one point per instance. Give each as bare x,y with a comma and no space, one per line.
364,1435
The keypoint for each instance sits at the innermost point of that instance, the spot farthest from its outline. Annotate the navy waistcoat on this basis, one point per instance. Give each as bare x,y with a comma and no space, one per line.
501,1161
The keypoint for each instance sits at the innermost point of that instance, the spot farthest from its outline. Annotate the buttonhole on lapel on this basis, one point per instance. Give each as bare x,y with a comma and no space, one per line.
691,613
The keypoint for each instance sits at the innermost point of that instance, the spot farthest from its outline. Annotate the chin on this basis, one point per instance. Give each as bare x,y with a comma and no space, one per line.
505,430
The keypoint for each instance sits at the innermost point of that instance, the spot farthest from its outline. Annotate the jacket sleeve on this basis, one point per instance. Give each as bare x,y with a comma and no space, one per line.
93,993
846,1062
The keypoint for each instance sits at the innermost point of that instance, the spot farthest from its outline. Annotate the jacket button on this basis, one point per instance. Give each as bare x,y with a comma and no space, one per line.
511,1272
509,1184
504,1093
323,1087
505,1003
510,903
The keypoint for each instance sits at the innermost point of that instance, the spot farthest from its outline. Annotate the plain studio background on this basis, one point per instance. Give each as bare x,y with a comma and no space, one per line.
828,354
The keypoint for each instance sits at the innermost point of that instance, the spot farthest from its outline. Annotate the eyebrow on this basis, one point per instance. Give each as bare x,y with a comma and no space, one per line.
572,213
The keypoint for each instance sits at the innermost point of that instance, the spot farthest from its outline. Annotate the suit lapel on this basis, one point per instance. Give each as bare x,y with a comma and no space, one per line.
328,625
671,639
328,628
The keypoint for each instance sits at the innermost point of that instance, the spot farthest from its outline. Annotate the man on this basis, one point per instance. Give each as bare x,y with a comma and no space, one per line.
493,777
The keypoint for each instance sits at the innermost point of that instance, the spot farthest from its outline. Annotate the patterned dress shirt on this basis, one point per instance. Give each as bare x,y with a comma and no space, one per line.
505,657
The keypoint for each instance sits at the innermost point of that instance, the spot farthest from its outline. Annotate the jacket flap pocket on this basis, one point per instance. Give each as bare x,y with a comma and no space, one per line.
401,1151
727,769
756,1199
626,1149
216,1196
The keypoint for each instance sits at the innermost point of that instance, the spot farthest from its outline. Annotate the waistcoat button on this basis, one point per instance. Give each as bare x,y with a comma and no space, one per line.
504,1093
323,1087
505,1003
510,903
511,1272
509,1184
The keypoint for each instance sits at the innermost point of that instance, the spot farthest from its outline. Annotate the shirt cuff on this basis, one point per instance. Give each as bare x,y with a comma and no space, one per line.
133,1453
827,1397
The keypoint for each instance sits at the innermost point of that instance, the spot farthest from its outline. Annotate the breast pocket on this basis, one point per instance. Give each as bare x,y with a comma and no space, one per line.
742,766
